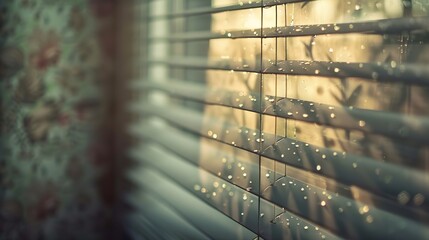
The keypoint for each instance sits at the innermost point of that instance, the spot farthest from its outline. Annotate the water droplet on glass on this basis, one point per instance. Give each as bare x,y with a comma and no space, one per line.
322,203
403,197
418,199
214,135
229,177
305,115
318,168
369,219
362,123
336,70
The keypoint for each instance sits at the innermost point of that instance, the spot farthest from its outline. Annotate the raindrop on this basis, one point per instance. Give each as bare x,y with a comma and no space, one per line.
323,156
229,34
305,115
262,215
354,165
362,123
289,113
418,199
336,70
229,177
336,28
244,174
316,71
369,219
197,187
322,203
318,168
403,197
364,209
215,136
244,197
330,50
267,175
282,155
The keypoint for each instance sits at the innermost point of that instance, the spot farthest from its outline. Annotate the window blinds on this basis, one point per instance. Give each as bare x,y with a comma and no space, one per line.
281,119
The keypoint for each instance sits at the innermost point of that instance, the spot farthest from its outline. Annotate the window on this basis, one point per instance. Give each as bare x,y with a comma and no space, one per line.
281,119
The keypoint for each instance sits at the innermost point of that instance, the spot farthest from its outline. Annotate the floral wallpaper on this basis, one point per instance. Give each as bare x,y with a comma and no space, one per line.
55,171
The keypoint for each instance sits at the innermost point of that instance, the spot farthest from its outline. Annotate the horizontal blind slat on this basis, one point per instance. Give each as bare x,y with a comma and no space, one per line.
385,26
381,72
390,124
161,214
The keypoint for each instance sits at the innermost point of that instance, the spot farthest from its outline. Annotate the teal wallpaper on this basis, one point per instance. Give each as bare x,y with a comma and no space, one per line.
55,173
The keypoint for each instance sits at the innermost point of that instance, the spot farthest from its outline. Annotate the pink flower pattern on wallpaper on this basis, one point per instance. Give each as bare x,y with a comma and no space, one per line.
45,49
55,169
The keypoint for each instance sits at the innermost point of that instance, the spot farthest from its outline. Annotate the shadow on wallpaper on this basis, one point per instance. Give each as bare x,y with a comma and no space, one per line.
56,177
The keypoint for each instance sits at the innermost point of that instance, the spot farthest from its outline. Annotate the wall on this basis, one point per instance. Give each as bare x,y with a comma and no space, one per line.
56,169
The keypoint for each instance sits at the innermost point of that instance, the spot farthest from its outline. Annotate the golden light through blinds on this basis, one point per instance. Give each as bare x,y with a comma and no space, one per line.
282,119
